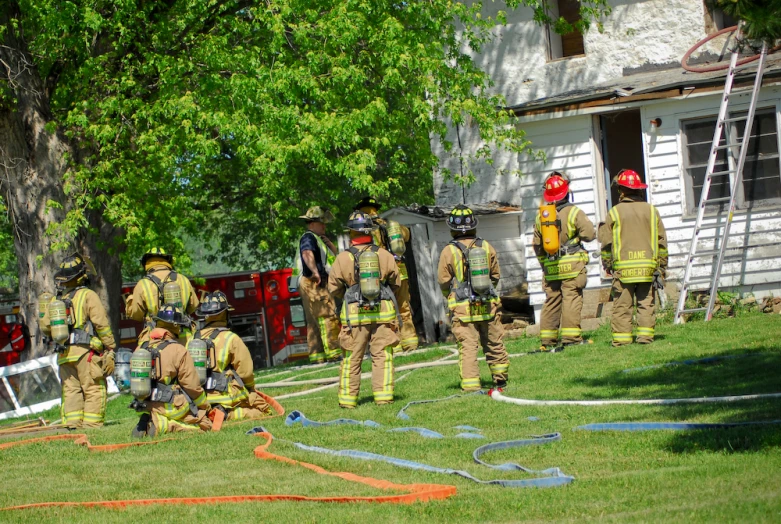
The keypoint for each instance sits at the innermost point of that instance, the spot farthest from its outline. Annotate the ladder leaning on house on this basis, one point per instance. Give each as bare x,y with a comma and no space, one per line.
720,248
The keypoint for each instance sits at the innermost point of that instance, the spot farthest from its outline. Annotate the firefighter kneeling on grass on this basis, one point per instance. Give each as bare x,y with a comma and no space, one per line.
164,381
224,363
634,250
559,231
82,336
366,280
468,270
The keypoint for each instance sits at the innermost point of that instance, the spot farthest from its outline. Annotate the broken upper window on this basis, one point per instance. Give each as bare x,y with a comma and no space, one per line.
716,19
761,172
570,44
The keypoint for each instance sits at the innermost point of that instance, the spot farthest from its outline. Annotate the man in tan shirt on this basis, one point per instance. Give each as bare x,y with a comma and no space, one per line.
230,381
367,321
88,357
474,317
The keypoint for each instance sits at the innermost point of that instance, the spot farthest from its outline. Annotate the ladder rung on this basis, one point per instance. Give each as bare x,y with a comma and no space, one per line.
706,253
722,173
727,146
720,199
735,119
693,310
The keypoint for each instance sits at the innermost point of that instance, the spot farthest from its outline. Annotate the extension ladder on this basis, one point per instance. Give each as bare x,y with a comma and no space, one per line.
743,142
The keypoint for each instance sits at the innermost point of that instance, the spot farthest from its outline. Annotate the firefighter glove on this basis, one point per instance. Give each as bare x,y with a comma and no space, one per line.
108,363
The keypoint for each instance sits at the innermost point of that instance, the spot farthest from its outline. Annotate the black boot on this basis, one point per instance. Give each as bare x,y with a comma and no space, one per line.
141,429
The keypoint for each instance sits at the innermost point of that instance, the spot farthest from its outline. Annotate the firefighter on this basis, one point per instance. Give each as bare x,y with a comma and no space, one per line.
382,237
86,356
172,392
230,382
634,251
313,262
149,294
468,271
565,269
365,280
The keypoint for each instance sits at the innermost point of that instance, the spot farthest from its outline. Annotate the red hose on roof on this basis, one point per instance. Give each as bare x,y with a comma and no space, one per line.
722,65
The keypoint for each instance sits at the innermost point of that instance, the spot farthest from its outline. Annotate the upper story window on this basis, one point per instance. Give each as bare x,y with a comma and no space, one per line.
761,172
716,19
570,44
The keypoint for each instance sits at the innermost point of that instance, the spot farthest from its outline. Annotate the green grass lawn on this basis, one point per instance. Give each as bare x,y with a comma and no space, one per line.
724,475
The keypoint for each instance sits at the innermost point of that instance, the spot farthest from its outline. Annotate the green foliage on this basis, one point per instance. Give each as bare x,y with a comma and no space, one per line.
9,269
762,18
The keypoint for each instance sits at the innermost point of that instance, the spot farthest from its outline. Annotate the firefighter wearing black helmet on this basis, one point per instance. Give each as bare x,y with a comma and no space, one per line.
467,273
86,358
177,401
365,280
382,236
148,295
230,382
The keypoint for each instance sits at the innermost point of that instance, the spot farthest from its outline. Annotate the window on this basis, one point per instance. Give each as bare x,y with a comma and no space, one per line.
761,173
571,44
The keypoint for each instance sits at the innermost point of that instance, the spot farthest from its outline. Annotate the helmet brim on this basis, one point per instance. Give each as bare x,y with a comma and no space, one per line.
636,186
551,195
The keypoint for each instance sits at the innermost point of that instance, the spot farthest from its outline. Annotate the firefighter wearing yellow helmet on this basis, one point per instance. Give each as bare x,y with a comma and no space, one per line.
365,281
467,273
164,381
312,265
393,237
559,231
634,251
226,371
82,335
160,285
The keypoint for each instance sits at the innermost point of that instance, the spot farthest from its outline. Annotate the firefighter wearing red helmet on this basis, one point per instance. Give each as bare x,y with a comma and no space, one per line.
634,251
559,231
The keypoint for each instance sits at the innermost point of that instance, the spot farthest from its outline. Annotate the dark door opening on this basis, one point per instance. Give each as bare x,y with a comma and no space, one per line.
622,148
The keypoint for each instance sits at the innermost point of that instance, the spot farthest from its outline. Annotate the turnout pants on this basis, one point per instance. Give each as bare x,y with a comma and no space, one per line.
409,337
239,403
562,309
322,324
83,392
176,416
380,339
624,298
472,335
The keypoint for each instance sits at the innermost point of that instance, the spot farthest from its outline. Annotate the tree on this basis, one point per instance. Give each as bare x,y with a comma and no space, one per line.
129,123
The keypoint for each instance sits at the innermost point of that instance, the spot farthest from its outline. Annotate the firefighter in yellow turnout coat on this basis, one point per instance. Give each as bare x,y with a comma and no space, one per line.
634,250
365,280
313,262
381,236
147,296
474,317
565,271
87,358
177,401
230,381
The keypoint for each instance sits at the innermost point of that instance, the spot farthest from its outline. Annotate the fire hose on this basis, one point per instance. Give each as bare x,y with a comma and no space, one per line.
496,395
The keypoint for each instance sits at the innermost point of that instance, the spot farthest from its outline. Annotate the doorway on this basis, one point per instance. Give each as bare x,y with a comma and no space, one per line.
621,134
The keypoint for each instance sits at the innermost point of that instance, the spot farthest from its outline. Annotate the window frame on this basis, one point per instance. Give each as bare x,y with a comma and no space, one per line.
550,35
741,205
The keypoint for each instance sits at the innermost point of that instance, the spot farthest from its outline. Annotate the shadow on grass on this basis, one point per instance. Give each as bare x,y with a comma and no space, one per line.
738,376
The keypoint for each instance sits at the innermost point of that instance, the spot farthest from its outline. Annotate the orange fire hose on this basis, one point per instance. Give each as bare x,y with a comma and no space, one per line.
414,492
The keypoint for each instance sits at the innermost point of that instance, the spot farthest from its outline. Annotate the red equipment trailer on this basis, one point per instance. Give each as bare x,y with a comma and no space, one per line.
267,317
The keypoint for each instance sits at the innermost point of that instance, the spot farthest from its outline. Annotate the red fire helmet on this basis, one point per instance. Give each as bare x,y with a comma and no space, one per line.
556,187
630,179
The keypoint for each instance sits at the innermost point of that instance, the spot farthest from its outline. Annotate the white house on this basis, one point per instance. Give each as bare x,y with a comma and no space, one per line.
588,103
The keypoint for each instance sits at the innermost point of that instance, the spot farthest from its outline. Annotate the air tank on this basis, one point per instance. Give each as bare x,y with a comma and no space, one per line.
198,351
141,374
58,317
479,271
369,272
122,368
549,231
172,294
396,238
44,322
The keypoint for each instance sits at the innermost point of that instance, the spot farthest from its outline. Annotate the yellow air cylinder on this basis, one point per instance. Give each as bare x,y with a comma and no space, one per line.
141,374
396,238
44,322
479,271
369,272
58,317
172,294
198,351
548,229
